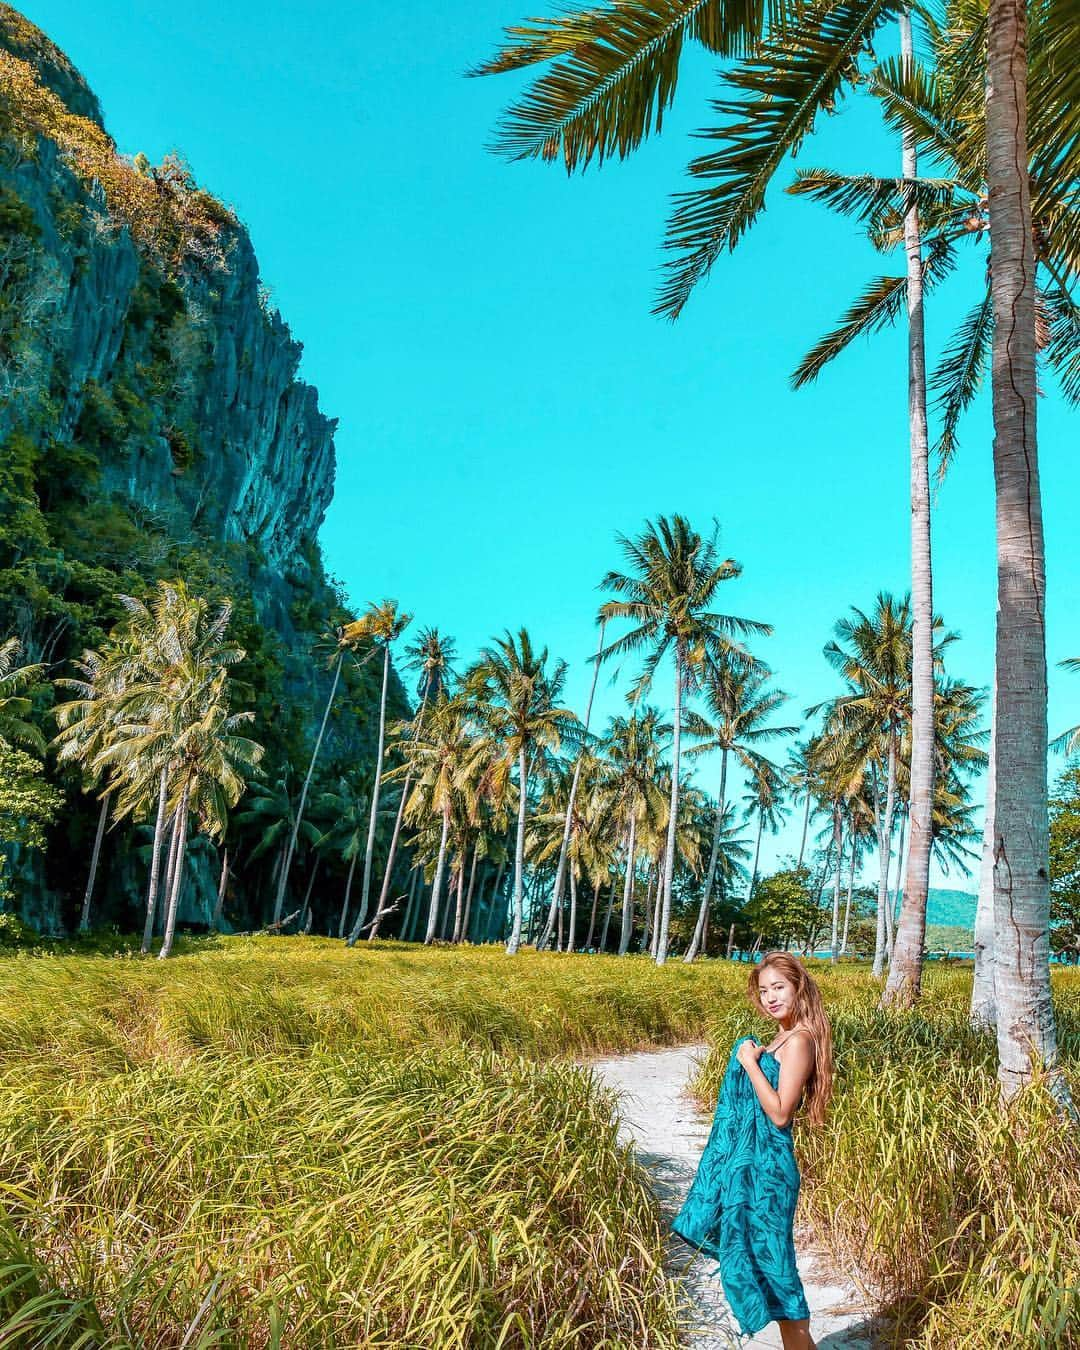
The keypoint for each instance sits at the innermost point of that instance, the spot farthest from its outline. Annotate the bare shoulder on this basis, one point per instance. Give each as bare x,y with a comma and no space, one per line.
802,1045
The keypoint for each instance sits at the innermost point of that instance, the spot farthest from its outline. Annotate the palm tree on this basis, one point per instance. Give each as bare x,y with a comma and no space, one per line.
86,724
515,700
560,870
876,663
1021,822
432,655
14,704
175,725
349,808
436,762
739,705
270,814
341,642
381,625
675,575
765,800
632,747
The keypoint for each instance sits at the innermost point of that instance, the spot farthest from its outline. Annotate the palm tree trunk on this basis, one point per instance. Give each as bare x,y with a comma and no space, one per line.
805,828
730,940
418,919
170,870
345,898
592,915
560,871
410,909
223,881
884,855
905,964
513,946
178,877
391,855
459,907
1021,831
628,887
891,895
610,907
469,893
655,898
302,922
496,911
838,844
850,889
895,906
757,856
283,879
155,863
983,1005
699,927
103,817
653,893
436,885
673,820
446,923
369,851
571,927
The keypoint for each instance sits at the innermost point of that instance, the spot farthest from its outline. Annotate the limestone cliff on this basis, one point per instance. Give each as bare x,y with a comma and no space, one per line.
152,423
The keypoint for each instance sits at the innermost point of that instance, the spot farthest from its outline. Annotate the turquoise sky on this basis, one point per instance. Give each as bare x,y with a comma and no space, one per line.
482,330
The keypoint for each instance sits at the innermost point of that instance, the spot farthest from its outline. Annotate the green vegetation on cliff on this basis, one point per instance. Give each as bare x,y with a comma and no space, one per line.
152,426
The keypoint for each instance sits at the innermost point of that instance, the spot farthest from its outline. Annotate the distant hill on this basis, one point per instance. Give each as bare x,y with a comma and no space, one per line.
951,909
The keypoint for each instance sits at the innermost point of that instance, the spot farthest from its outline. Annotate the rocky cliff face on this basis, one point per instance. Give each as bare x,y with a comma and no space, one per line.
151,420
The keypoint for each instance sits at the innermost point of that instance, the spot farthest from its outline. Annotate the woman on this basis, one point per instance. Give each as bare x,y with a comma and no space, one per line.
741,1207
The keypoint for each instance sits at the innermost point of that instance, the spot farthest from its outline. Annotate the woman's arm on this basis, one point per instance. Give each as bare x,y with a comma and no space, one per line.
795,1069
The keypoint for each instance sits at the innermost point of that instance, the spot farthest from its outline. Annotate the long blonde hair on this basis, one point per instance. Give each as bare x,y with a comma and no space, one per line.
810,1013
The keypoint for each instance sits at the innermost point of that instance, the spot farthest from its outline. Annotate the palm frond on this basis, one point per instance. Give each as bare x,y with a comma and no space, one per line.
881,304
914,99
869,199
615,71
1062,349
781,90
958,375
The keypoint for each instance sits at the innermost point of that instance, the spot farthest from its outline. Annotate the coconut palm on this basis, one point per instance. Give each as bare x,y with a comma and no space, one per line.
765,801
349,808
432,656
516,701
341,642
14,704
739,705
86,724
873,653
436,762
612,71
380,626
182,711
674,577
633,746
560,870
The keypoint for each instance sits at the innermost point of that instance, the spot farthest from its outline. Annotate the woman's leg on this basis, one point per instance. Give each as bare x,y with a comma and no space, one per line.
796,1335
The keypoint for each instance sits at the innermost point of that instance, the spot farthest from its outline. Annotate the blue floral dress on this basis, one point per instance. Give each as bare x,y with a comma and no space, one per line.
741,1206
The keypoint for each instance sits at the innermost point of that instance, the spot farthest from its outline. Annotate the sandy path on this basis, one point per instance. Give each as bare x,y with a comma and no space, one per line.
669,1133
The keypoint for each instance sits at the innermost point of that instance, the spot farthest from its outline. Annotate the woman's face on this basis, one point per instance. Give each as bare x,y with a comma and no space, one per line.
777,993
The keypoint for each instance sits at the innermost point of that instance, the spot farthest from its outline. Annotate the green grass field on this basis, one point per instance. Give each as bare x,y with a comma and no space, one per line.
280,1142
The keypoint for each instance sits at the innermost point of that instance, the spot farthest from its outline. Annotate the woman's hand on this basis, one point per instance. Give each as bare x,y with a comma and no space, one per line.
748,1053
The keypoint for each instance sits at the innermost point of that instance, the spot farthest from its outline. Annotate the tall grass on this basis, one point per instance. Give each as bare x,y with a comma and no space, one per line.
962,1220
274,1142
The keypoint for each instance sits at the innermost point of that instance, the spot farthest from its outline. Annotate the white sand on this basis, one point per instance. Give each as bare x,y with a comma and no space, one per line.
669,1133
